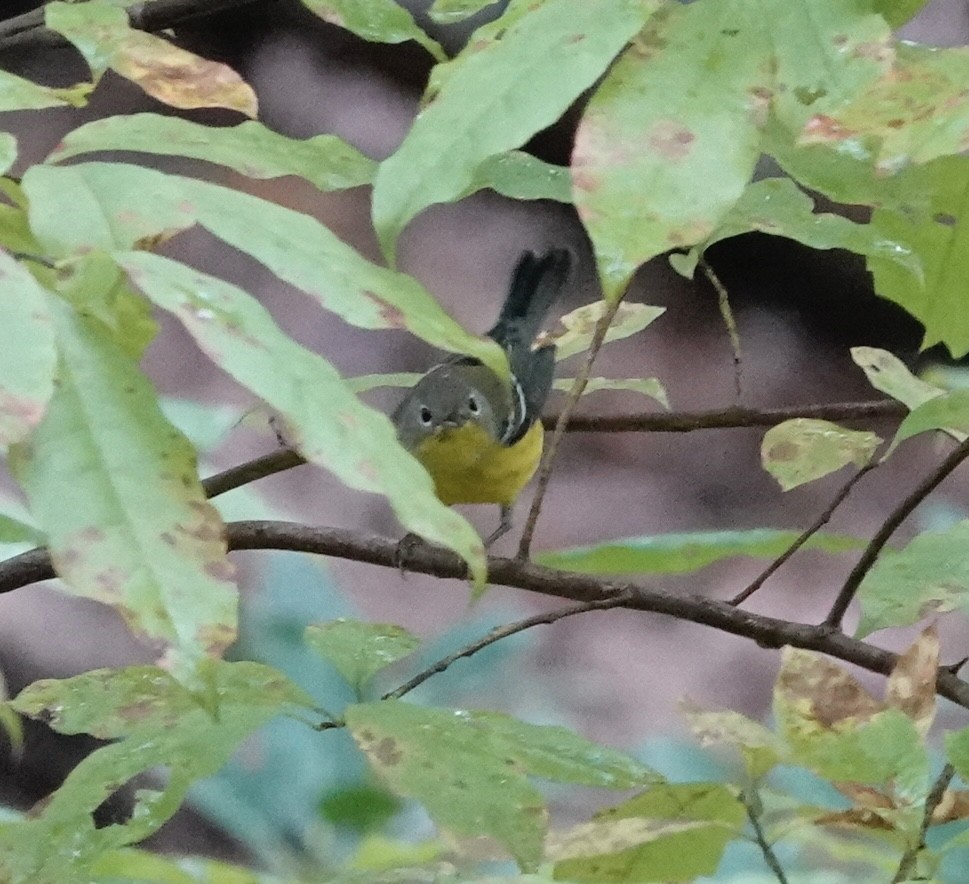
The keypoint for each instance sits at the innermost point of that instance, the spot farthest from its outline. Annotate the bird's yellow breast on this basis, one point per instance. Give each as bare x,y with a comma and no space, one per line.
469,465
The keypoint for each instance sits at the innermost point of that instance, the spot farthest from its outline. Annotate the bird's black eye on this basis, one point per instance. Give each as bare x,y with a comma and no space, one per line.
426,415
472,405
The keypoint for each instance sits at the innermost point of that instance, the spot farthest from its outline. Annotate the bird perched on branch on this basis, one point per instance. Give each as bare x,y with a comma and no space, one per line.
478,435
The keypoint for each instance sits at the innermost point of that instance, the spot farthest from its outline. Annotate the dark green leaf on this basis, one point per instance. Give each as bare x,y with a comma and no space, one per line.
521,176
898,12
682,553
446,12
524,81
250,148
948,412
360,650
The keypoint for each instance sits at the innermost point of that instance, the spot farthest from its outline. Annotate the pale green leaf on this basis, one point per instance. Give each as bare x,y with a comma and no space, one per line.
366,382
8,152
469,769
578,327
16,93
888,374
519,175
651,387
929,576
777,206
657,168
761,748
447,12
16,531
497,98
129,865
936,230
250,148
15,232
322,418
379,21
686,552
804,449
683,829
28,357
101,33
158,723
957,751
948,413
112,206
360,650
115,488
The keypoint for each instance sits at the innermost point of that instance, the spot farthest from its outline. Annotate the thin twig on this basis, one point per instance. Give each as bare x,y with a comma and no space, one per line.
773,863
816,526
251,471
726,312
771,632
551,449
907,864
888,528
501,632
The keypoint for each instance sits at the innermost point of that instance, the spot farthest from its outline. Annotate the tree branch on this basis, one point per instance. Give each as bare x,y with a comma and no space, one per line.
752,806
154,15
888,528
771,632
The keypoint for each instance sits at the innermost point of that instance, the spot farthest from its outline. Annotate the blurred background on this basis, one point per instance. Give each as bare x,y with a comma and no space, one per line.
616,677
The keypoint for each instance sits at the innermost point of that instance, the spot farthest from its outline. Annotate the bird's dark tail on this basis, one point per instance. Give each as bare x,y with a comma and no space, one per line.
535,285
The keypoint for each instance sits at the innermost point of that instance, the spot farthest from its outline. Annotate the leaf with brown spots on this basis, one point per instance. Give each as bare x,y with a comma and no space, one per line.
156,722
470,769
657,168
28,357
911,686
115,487
578,327
179,78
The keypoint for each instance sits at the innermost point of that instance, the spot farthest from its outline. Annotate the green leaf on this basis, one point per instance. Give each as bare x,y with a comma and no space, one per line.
8,152
251,149
657,168
16,93
888,374
101,33
157,722
469,769
113,206
898,12
366,382
833,727
579,326
521,176
15,531
777,206
957,751
916,111
28,356
115,488
15,232
446,12
937,231
379,21
647,386
525,80
360,650
804,449
324,421
948,413
683,553
761,748
671,832
929,576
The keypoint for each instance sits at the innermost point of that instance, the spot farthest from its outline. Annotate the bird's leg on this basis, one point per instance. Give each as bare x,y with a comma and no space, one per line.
406,547
504,526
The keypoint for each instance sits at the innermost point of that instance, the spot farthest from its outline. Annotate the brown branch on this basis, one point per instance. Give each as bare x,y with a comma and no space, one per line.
907,864
35,565
551,449
154,15
816,526
245,473
499,633
888,528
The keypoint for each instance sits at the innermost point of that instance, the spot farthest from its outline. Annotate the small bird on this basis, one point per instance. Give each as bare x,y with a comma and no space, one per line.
480,437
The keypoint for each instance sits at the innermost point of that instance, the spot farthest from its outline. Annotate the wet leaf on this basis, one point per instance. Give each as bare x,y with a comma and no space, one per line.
470,769
28,357
542,62
251,149
360,650
178,78
804,449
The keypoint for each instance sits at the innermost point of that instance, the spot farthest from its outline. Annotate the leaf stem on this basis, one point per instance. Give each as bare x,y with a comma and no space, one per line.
907,863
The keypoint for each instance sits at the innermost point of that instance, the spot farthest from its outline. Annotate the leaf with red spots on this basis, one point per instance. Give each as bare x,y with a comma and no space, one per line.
157,722
27,357
115,488
470,769
179,78
323,419
250,148
520,84
656,168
